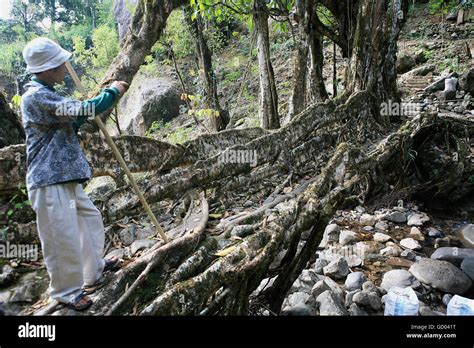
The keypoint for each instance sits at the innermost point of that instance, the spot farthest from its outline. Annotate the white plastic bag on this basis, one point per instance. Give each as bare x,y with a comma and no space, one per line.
401,301
460,306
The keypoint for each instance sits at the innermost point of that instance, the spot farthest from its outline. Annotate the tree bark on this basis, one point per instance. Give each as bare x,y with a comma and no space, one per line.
372,65
317,89
147,24
206,71
297,100
268,98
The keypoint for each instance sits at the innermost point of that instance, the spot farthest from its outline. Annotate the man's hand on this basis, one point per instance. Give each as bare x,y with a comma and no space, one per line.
122,86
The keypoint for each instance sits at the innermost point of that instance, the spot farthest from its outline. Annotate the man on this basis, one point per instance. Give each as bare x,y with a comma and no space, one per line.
69,225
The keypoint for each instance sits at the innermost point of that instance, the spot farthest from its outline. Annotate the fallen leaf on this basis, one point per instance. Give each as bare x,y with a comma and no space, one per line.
287,189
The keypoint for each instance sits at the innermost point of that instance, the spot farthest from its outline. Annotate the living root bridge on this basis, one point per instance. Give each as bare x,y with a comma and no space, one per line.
141,154
214,270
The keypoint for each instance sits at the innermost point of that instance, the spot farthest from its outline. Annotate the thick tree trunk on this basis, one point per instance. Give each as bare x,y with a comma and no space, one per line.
317,89
147,24
268,98
206,71
297,100
372,65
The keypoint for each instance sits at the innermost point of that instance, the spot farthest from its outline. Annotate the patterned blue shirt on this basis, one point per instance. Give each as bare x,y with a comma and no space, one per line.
50,122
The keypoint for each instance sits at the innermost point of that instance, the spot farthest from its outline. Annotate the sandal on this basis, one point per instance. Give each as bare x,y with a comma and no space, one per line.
111,264
81,302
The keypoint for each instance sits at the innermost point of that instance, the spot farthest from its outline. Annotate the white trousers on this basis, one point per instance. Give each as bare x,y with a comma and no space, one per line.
71,232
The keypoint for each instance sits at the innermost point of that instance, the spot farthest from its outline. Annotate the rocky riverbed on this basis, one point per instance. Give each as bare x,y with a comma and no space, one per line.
363,255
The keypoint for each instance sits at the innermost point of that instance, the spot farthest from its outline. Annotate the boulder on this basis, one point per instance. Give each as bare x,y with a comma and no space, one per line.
355,280
452,254
330,304
347,237
441,275
467,266
331,234
468,234
404,63
396,217
421,71
400,278
148,100
355,310
368,300
337,269
367,220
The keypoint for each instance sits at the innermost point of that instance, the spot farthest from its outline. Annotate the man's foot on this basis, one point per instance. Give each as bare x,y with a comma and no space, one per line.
82,302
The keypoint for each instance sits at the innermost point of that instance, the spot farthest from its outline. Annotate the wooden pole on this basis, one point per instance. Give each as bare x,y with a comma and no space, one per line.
119,157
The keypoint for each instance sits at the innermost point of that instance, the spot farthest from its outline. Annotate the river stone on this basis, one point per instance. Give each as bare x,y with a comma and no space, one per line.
7,275
468,233
396,217
400,278
347,237
468,266
381,225
441,275
452,254
337,269
330,304
368,300
331,234
381,237
355,310
417,219
300,309
410,243
355,280
367,220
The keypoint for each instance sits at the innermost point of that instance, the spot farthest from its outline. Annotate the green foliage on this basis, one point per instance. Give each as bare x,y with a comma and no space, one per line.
11,59
16,102
451,64
232,76
106,46
442,6
176,136
176,34
96,59
179,135
16,204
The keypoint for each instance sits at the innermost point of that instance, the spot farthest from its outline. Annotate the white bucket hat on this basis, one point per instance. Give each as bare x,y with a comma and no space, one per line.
42,54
